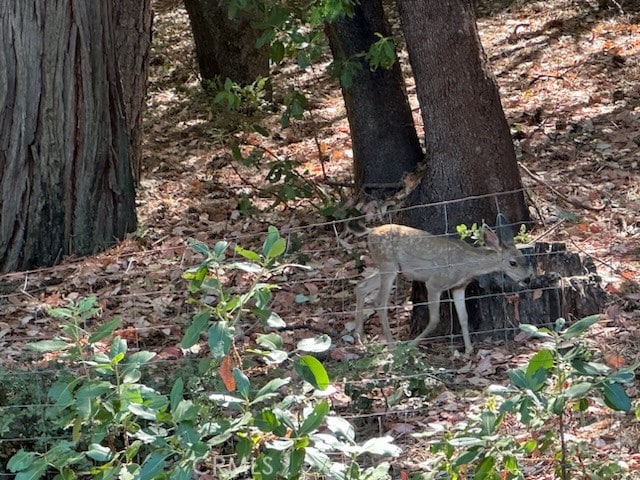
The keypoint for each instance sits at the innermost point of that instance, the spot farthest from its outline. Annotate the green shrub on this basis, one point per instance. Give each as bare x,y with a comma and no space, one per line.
560,381
116,426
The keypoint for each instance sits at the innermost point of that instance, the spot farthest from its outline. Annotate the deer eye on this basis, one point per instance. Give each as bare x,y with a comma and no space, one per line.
513,263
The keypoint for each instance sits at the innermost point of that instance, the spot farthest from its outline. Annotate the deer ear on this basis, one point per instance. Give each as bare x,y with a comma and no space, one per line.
504,230
492,240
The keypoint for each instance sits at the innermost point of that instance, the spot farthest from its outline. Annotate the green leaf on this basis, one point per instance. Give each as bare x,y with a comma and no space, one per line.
21,460
280,444
152,466
267,36
244,447
530,446
517,377
185,411
35,471
248,254
510,463
272,341
469,456
542,359
242,383
277,51
220,339
268,465
60,312
248,267
276,356
271,389
272,237
177,392
466,442
589,368
87,395
316,344
44,346
199,247
99,453
382,446
615,397
118,350
61,392
485,469
105,330
260,129
183,471
314,419
534,331
140,358
266,421
318,460
296,462
226,400
578,390
579,327
342,428
538,369
624,375
312,370
488,422
275,321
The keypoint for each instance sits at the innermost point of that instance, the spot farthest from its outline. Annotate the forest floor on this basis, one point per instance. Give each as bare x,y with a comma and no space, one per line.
569,76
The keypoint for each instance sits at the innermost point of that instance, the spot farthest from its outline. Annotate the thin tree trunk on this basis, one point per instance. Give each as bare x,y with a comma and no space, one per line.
385,142
65,174
226,48
133,43
469,146
471,169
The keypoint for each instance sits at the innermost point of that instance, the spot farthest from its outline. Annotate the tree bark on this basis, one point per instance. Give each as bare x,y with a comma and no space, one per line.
469,147
133,43
226,48
385,142
65,174
471,169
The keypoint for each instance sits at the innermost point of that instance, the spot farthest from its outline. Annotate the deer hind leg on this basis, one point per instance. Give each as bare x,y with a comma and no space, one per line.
365,287
463,317
382,302
433,297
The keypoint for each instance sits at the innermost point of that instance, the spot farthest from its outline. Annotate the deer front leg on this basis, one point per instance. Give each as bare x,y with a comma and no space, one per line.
433,297
458,295
365,287
382,302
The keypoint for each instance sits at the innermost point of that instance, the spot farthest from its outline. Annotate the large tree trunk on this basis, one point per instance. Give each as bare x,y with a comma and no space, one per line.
471,169
133,42
226,48
385,142
469,146
65,173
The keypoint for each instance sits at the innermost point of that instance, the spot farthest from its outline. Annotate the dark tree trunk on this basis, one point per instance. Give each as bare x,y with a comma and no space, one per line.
133,42
385,142
471,169
469,146
226,48
65,172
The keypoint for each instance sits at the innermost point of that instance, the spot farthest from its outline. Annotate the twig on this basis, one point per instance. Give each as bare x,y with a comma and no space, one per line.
541,181
549,230
599,260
